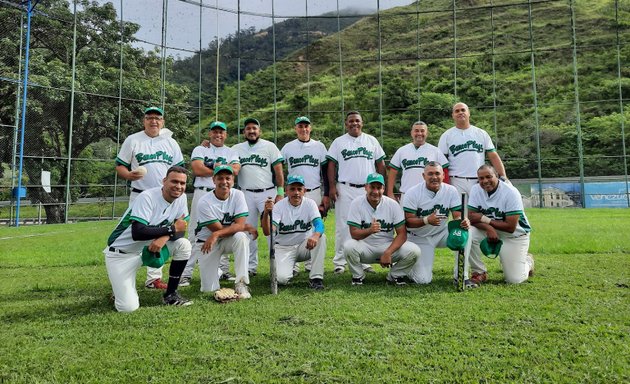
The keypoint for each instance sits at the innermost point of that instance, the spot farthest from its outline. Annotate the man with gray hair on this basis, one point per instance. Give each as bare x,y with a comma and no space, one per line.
411,159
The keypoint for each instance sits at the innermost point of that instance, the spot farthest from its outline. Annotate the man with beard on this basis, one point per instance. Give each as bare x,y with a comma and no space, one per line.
156,220
411,159
261,165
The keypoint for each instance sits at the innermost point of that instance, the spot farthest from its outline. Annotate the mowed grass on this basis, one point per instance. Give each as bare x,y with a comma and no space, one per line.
569,323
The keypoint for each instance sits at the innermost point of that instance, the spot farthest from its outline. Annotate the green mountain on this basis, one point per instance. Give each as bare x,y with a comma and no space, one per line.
492,74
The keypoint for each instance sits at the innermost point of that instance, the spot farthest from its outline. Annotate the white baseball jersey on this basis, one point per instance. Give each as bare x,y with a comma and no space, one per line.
411,162
294,224
223,155
421,201
355,157
465,149
212,210
157,154
149,208
305,159
505,201
256,163
388,213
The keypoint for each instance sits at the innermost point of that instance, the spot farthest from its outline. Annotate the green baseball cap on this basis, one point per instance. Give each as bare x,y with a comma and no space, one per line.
295,179
488,248
375,178
155,259
251,120
218,124
302,119
457,236
154,109
220,168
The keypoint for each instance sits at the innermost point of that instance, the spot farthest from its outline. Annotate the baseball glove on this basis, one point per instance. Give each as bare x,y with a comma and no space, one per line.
225,295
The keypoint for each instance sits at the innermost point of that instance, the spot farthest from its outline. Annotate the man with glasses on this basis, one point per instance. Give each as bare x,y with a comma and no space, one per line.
143,159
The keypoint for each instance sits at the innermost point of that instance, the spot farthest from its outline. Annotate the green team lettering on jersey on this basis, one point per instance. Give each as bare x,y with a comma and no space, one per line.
298,226
307,160
158,157
469,146
385,227
359,152
426,212
254,160
219,159
420,162
493,212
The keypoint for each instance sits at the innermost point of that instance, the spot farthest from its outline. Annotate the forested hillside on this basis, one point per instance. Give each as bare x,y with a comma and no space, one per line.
492,74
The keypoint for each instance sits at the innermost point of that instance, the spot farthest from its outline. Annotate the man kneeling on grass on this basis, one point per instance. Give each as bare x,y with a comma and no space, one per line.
299,233
221,227
373,219
151,230
500,227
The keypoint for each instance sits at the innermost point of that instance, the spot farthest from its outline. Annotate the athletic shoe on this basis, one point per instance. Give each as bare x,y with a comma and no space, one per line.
226,276
369,269
339,270
469,284
397,281
156,284
252,273
175,299
316,284
531,265
357,280
242,290
479,278
184,281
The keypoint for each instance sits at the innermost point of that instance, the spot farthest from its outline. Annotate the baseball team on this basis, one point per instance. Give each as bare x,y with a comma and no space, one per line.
239,189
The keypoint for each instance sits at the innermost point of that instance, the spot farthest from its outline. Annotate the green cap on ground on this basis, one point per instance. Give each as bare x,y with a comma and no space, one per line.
488,248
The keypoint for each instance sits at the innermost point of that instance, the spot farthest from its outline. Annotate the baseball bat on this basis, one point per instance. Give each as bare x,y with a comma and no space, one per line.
272,258
461,256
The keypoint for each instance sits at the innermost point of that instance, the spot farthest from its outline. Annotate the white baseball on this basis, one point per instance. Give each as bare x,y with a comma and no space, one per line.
141,170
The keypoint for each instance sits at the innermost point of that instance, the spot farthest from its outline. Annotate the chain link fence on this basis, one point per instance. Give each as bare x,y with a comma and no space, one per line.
547,79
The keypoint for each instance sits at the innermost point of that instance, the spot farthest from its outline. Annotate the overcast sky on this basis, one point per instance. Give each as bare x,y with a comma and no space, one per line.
184,17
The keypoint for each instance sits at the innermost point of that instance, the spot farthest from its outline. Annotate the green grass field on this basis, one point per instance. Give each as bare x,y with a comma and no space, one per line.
570,323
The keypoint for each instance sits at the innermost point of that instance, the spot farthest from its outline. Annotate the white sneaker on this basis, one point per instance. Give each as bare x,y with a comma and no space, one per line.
242,290
184,282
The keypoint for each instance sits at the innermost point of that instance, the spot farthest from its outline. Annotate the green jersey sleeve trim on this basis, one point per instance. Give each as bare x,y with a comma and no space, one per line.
332,159
354,224
513,213
280,160
139,220
474,209
120,162
399,224
392,166
244,214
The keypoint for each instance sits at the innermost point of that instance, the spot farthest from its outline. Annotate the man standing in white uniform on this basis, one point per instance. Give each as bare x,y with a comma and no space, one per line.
261,165
411,159
156,219
496,213
352,157
143,159
299,233
373,219
426,207
221,230
466,148
203,161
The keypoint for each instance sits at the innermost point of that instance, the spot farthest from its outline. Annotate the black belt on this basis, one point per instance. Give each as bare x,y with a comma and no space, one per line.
205,189
312,189
259,190
136,190
353,185
466,178
112,249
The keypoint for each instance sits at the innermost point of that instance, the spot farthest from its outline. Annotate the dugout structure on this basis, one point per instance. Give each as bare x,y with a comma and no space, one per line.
545,78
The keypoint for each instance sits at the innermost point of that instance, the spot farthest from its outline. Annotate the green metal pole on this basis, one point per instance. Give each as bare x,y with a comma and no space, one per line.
308,65
120,87
340,70
238,73
578,124
16,131
163,47
199,85
418,94
535,94
621,111
275,85
71,122
494,79
455,49
380,70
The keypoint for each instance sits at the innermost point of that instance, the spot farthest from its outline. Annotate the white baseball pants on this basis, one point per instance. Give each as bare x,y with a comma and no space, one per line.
358,251
513,255
238,244
288,255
